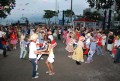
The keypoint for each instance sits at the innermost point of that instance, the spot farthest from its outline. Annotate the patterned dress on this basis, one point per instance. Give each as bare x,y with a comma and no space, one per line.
69,46
78,52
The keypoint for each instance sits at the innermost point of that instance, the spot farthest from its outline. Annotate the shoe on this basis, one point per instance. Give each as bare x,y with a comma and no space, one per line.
70,56
87,62
41,58
37,73
51,73
35,77
47,72
5,55
78,63
116,62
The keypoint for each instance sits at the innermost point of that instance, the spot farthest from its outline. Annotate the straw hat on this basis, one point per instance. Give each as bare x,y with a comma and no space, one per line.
34,36
88,34
3,33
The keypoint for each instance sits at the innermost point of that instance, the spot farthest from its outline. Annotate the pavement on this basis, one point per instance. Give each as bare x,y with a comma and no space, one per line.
12,68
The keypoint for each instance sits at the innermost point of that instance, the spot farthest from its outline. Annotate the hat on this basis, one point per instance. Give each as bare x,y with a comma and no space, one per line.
34,36
3,33
88,34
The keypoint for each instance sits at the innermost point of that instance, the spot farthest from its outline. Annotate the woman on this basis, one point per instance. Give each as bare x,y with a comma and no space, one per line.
78,52
33,54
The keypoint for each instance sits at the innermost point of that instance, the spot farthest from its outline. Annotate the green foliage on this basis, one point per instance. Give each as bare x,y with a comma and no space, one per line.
68,13
93,15
5,7
118,18
49,14
100,4
117,6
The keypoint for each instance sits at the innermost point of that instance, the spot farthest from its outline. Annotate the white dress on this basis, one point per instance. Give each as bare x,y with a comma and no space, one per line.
103,40
51,56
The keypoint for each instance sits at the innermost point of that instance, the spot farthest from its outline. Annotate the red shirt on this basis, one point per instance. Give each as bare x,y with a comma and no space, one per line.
13,36
99,41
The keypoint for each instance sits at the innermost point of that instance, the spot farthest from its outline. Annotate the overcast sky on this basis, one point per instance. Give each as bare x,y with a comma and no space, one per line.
34,9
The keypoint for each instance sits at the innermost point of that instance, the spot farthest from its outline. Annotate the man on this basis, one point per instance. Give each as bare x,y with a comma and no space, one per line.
110,41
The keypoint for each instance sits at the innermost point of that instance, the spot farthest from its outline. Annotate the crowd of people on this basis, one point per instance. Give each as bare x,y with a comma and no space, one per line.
40,40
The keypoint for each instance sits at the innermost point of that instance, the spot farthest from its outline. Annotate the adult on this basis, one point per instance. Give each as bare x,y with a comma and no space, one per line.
110,41
33,54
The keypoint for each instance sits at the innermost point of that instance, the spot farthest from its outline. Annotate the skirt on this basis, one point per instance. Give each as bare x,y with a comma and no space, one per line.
13,41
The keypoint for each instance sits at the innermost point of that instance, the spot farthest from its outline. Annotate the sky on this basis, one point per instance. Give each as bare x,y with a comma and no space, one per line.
34,9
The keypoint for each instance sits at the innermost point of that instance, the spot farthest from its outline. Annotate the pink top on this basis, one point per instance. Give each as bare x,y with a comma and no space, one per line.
67,38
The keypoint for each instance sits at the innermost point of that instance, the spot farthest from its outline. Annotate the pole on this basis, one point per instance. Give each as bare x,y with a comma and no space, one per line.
109,19
104,21
63,19
56,9
71,10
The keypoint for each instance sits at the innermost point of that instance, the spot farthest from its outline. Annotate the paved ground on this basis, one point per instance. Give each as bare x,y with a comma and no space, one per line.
102,69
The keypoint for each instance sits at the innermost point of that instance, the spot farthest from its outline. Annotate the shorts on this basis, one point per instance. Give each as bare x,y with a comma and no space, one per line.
51,60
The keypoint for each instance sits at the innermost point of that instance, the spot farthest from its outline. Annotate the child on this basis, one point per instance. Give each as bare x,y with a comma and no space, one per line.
4,44
13,38
91,51
42,47
23,45
50,59
70,47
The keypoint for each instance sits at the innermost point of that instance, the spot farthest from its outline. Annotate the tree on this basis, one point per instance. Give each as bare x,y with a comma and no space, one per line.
49,14
68,14
100,4
117,6
5,7
93,16
118,17
105,5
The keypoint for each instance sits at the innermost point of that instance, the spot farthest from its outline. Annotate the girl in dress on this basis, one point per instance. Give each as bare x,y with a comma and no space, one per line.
78,52
50,59
64,35
69,46
13,38
103,42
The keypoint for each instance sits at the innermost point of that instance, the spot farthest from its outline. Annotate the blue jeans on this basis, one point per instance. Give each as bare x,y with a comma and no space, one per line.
99,50
34,67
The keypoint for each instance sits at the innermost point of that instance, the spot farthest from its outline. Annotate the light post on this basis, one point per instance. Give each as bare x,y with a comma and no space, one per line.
71,10
56,9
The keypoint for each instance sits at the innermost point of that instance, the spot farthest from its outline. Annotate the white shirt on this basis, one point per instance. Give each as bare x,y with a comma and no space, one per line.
1,33
51,37
118,43
32,48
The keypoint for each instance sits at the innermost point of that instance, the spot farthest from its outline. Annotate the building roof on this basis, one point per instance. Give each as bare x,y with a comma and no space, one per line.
84,20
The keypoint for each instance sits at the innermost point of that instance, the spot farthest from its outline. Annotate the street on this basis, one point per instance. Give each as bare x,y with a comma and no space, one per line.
12,68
